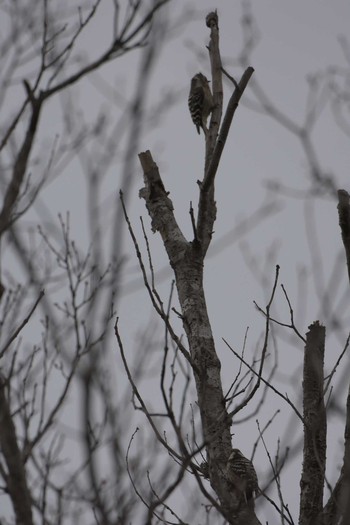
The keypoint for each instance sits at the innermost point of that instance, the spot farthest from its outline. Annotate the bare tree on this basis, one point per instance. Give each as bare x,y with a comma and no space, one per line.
64,413
208,454
57,467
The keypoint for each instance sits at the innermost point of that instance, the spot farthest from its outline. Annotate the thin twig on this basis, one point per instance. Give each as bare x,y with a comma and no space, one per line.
330,376
156,306
266,383
22,325
264,350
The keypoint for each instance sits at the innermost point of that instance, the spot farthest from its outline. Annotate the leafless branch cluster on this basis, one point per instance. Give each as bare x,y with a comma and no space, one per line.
186,258
73,445
63,417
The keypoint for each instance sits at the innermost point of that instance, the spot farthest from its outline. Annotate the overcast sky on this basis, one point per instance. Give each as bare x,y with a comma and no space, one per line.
296,39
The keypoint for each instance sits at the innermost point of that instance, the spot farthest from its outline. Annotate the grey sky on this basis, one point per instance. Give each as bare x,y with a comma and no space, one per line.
296,39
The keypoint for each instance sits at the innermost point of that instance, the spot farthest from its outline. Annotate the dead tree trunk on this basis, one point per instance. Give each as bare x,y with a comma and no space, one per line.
187,261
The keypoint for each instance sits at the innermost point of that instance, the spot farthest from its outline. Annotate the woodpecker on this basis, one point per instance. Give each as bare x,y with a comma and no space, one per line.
200,101
240,473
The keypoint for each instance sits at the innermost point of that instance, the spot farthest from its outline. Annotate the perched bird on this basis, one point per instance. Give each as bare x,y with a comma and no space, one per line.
240,473
200,101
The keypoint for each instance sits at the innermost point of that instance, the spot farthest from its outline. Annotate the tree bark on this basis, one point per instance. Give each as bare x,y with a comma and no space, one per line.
315,427
186,259
16,477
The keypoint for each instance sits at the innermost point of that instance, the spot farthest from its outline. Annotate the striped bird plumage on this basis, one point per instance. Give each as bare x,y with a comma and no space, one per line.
200,101
240,473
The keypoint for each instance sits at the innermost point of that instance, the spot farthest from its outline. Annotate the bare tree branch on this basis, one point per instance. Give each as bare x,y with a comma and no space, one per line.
344,223
16,480
19,168
315,426
22,325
